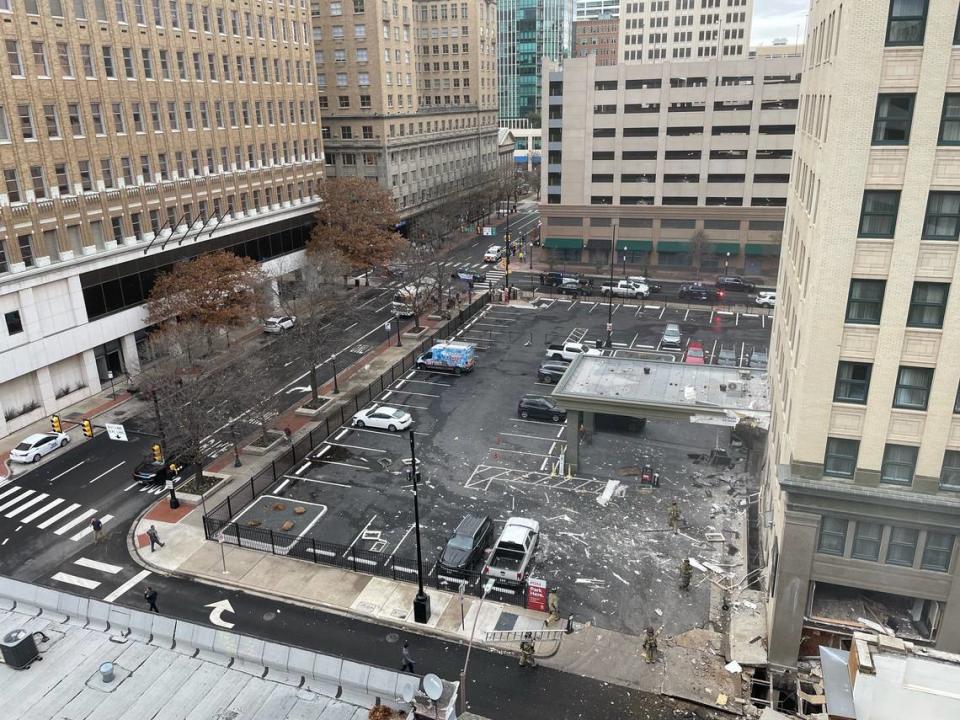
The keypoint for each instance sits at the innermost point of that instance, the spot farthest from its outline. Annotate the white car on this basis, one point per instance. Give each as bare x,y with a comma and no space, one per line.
279,324
34,447
493,254
383,417
767,298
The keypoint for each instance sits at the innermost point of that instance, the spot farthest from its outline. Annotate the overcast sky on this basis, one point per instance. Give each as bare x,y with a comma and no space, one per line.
778,19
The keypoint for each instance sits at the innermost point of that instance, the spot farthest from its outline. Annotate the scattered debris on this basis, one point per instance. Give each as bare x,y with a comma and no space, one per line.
278,507
299,510
287,525
619,578
733,667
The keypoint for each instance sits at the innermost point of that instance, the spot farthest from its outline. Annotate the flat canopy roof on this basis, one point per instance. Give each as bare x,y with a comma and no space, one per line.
639,387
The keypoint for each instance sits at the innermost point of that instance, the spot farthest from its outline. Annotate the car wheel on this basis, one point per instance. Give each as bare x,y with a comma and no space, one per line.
524,414
555,418
360,424
35,458
391,427
548,380
63,443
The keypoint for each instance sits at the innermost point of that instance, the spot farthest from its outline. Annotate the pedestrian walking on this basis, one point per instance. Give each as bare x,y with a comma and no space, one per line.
542,278
150,595
527,650
650,646
407,665
553,604
673,517
154,537
686,572
97,529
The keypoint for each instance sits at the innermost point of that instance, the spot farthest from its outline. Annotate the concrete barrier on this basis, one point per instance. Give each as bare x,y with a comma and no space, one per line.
385,684
141,625
276,658
205,640
98,615
353,682
49,602
249,656
74,607
164,631
325,677
25,597
7,601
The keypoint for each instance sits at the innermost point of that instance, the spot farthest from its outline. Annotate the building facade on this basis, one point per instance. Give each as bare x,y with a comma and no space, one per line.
408,92
860,507
691,160
659,30
593,9
528,144
597,37
132,136
530,30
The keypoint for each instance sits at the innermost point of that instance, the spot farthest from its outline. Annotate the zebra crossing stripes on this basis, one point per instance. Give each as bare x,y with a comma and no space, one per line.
16,499
63,513
87,530
43,511
27,505
85,582
86,514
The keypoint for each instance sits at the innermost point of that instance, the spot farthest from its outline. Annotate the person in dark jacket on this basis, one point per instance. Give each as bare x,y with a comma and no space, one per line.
150,595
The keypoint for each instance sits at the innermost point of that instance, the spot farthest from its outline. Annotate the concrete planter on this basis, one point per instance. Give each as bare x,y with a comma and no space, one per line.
276,436
313,412
416,334
198,499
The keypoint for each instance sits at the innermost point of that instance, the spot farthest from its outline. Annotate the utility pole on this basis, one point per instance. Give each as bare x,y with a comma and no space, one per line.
613,251
421,603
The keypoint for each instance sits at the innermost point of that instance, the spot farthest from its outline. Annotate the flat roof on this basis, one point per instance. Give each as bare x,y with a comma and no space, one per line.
642,387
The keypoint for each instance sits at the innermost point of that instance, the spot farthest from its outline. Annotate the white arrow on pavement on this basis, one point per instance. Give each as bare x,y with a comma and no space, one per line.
219,608
298,388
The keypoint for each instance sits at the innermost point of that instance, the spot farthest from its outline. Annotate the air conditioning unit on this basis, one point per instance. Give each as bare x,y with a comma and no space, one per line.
19,649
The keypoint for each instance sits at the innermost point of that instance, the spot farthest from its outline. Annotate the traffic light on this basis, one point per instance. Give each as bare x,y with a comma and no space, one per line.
157,452
55,424
87,428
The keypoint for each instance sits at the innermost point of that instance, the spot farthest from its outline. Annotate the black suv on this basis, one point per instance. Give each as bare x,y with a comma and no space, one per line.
540,408
466,547
733,283
553,278
551,371
698,291
150,471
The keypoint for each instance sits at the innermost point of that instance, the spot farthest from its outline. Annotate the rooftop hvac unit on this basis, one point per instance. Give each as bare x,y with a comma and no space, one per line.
19,649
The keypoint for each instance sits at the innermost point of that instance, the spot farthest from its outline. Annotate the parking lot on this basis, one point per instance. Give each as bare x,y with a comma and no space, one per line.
615,563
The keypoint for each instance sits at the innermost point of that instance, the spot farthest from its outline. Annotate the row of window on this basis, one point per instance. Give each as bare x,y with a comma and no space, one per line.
898,466
199,66
912,391
710,200
867,539
894,117
928,302
878,215
689,178
718,106
170,13
684,131
690,155
907,23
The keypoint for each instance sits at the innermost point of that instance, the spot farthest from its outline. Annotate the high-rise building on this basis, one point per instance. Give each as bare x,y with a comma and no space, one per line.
530,31
658,30
408,92
596,37
691,160
860,508
593,9
134,135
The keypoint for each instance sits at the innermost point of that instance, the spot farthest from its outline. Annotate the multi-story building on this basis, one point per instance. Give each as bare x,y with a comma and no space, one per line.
691,160
408,92
779,48
658,30
134,135
593,9
530,30
527,144
860,509
596,37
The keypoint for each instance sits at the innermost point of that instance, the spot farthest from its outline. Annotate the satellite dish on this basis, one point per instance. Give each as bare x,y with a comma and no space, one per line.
406,692
432,686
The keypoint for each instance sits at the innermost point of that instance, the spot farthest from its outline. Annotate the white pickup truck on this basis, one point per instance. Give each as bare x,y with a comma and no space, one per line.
568,351
625,288
513,551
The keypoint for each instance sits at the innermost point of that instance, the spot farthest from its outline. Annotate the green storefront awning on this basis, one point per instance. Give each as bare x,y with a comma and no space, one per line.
719,248
559,243
761,249
634,245
673,246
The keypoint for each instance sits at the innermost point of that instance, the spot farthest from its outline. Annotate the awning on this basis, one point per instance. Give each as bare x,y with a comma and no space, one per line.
673,246
558,243
634,245
761,249
721,248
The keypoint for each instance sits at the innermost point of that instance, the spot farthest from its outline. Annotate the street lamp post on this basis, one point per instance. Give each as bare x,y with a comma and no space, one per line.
487,587
509,249
613,251
336,387
399,344
531,254
421,603
236,450
726,264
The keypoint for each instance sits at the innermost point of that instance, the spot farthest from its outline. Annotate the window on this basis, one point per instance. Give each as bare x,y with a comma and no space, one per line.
891,126
40,59
833,535
928,303
52,121
899,462
878,216
26,122
63,181
942,221
39,185
903,546
99,128
937,551
950,472
4,127
950,117
840,460
86,179
866,541
853,382
906,21
913,388
13,321
108,62
86,57
25,243
13,58
12,185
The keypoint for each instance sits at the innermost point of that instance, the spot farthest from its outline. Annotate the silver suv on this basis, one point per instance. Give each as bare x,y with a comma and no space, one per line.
671,336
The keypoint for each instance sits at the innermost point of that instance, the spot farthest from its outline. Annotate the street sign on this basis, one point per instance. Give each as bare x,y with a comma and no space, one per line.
386,326
219,536
168,485
489,231
609,327
537,594
116,432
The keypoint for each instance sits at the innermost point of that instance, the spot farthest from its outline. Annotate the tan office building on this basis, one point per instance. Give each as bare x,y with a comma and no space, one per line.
408,92
659,30
860,509
691,160
134,134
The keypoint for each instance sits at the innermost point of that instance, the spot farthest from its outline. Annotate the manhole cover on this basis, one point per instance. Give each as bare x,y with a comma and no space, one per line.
268,616
393,637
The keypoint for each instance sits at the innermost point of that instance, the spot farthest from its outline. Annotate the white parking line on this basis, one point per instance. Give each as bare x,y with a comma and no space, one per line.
138,578
74,580
427,382
359,535
418,407
410,392
356,447
405,536
532,437
357,467
124,462
95,565
387,394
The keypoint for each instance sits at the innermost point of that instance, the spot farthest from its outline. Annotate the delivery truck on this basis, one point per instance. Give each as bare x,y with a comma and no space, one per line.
455,357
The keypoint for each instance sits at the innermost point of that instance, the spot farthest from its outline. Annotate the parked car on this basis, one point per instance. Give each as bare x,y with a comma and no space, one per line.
671,336
467,545
625,288
279,324
734,283
699,291
572,286
383,417
727,356
33,447
758,360
493,254
555,279
540,408
766,298
568,351
551,371
641,280
695,354
469,275
513,551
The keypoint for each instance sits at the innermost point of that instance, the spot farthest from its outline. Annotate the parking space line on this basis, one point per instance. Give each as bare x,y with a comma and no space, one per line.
301,468
387,394
410,392
400,383
686,314
418,407
427,382
405,536
359,535
356,447
615,308
335,462
382,433
343,431
539,422
595,306
635,336
571,306
662,311
532,437
314,480
560,432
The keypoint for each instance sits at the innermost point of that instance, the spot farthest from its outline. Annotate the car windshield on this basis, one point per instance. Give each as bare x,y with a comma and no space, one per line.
695,352
395,413
23,446
460,542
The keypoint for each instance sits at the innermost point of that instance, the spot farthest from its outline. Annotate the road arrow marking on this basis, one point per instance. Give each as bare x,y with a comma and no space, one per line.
220,607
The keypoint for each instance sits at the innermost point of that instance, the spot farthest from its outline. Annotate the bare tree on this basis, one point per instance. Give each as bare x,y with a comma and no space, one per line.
698,243
533,181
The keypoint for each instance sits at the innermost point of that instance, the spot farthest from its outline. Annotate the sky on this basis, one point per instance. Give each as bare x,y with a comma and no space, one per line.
778,19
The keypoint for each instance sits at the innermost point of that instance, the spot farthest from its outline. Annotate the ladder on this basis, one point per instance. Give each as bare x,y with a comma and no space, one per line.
521,635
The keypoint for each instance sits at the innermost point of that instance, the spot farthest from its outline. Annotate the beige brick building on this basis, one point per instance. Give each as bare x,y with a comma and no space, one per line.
658,30
133,134
408,92
596,37
860,508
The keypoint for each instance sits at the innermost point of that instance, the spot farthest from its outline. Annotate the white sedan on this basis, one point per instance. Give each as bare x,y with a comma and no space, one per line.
383,417
34,447
279,324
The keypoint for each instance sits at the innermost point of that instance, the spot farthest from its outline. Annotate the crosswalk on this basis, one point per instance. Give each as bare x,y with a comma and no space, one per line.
91,574
494,275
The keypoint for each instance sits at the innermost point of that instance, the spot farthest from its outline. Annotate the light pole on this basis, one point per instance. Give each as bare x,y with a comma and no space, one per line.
531,254
336,387
236,450
509,250
726,264
624,256
613,251
487,587
421,603
399,344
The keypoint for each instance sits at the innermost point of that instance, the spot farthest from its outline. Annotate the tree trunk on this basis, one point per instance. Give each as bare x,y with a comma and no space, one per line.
313,380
